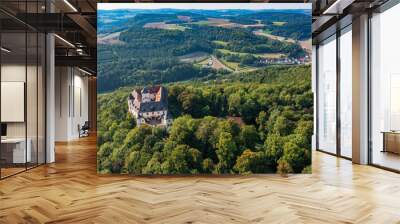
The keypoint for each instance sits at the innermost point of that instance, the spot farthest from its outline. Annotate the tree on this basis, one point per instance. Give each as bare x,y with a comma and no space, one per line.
284,167
208,165
103,162
119,155
137,135
228,126
249,137
253,162
305,100
149,142
305,130
274,147
136,161
245,163
204,135
154,165
178,162
282,126
119,136
129,122
248,59
234,101
297,157
195,160
249,111
261,121
226,152
183,129
193,103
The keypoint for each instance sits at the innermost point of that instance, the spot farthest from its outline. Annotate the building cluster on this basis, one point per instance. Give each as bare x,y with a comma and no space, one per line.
287,61
150,106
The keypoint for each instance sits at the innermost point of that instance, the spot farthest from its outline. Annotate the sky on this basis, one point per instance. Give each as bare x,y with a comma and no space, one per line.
206,6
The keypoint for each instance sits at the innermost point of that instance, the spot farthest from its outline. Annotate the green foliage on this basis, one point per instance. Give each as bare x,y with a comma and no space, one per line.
153,55
136,161
255,121
284,167
208,165
154,165
272,109
296,156
226,151
253,162
261,122
249,137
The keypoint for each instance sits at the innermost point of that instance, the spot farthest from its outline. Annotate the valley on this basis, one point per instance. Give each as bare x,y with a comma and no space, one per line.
199,43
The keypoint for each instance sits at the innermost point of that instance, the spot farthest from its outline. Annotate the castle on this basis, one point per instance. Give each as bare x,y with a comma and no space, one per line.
150,106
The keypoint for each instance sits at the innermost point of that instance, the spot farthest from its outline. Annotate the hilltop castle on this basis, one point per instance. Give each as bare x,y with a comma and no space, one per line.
150,106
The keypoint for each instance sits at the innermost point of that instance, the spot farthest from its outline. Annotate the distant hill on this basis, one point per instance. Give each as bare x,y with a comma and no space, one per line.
141,47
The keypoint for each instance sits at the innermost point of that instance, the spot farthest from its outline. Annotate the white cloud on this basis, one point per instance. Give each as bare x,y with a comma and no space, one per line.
205,6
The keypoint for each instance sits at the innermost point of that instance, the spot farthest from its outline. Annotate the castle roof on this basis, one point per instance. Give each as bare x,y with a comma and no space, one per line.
151,89
149,106
153,106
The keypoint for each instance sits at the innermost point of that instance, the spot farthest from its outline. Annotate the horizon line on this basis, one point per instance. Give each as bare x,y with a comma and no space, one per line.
205,6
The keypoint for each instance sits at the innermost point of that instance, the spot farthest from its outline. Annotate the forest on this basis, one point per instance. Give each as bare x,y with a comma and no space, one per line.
233,113
152,55
272,134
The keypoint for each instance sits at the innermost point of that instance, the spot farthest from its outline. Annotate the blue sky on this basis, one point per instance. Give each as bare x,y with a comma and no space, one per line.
209,6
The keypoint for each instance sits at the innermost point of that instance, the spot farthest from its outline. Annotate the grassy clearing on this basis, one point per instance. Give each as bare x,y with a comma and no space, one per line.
194,57
175,27
164,26
232,65
263,55
202,23
203,62
236,66
277,23
225,51
221,43
266,33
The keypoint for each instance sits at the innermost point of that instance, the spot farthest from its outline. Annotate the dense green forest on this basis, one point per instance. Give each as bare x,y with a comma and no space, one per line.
295,26
233,113
297,22
153,55
274,134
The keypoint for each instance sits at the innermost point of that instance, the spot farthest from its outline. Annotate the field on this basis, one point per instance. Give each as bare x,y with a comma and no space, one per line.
237,68
271,36
225,23
279,23
194,57
217,64
221,43
225,51
164,26
264,55
112,38
185,18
